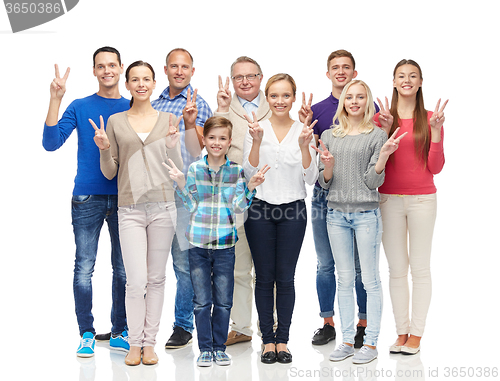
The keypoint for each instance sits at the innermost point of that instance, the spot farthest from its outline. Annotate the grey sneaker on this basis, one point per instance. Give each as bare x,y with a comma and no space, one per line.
365,355
342,352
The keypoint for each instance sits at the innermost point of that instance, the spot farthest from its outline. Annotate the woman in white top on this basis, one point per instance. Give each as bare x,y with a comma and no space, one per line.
133,146
277,219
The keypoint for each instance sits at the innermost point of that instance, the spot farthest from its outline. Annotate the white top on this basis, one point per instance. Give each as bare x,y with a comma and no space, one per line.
143,135
285,181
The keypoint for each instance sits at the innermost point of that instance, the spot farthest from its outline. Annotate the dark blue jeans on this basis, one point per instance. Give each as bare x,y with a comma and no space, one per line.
325,275
88,214
275,234
212,275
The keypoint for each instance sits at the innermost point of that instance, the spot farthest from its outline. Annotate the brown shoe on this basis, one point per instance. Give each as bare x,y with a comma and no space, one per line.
234,337
133,356
149,356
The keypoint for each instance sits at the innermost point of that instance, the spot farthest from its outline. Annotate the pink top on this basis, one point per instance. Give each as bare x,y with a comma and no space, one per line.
404,173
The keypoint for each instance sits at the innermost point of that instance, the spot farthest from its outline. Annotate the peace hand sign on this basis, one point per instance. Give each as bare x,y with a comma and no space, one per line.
385,117
324,155
223,96
190,111
58,85
305,112
173,135
306,135
437,118
256,131
392,144
100,138
258,178
175,174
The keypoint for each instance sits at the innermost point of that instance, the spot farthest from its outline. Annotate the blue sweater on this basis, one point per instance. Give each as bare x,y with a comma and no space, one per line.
89,179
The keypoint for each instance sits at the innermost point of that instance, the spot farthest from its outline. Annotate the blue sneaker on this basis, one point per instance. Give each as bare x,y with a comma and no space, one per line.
204,359
87,344
221,358
119,342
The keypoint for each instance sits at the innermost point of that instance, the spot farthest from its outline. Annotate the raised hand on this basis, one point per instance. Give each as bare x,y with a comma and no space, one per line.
305,112
175,174
325,156
384,116
306,135
173,135
223,96
392,144
256,131
258,178
100,138
58,84
437,118
190,111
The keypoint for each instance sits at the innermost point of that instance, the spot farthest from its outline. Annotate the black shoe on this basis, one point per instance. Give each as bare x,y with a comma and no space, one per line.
179,339
359,338
323,335
284,357
103,336
269,357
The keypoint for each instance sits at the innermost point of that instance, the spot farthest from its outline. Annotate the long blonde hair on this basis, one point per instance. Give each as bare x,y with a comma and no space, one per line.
341,125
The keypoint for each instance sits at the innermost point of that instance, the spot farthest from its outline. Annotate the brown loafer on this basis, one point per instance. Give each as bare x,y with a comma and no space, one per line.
234,337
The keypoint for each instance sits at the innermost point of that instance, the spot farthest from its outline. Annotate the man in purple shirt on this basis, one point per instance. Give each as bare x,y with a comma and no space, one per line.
341,70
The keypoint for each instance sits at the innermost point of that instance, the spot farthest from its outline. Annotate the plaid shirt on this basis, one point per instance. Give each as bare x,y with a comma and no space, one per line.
175,106
213,198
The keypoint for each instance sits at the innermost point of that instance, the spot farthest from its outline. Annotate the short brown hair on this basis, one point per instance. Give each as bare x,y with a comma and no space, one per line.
340,53
217,122
245,59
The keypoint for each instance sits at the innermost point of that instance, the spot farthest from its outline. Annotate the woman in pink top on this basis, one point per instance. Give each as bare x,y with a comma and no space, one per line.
408,201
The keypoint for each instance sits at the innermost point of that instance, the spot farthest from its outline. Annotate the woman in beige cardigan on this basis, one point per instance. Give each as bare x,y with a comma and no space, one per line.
134,145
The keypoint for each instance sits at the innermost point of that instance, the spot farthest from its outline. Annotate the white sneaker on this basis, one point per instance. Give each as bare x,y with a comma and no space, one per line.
365,355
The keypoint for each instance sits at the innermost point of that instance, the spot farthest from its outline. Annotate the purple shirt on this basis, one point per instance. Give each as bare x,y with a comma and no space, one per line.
324,112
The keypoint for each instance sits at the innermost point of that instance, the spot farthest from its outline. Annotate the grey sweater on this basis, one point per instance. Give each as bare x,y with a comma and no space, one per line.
353,186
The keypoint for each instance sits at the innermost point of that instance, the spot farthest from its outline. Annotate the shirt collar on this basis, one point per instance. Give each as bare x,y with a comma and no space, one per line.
227,163
166,93
255,102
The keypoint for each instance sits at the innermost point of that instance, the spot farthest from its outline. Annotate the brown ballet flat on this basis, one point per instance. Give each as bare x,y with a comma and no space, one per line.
150,359
133,356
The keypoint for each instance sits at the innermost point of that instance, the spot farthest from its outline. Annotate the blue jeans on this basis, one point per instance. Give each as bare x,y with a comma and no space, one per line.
368,229
180,259
275,234
212,274
325,274
88,214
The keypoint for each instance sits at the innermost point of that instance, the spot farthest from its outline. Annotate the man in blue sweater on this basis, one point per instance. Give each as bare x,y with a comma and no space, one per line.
94,197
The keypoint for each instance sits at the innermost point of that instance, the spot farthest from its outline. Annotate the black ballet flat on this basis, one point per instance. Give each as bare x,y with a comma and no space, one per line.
269,357
284,357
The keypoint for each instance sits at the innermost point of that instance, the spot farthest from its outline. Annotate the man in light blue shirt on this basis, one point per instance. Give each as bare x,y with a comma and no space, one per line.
179,70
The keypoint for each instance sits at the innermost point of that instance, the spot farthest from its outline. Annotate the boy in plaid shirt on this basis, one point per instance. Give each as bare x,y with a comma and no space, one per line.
215,190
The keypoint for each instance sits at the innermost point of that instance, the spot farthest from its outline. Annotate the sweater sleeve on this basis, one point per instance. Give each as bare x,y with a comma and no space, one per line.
109,157
372,179
189,194
55,136
244,196
321,167
435,160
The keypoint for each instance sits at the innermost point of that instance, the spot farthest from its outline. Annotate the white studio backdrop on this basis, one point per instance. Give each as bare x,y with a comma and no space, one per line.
456,46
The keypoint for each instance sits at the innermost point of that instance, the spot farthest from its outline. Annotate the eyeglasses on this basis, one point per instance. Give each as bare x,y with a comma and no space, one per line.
249,77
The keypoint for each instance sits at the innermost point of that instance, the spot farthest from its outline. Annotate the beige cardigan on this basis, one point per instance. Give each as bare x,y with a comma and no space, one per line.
141,175
240,124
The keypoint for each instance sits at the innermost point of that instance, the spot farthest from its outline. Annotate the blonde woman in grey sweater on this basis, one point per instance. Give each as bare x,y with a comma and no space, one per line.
352,162
134,145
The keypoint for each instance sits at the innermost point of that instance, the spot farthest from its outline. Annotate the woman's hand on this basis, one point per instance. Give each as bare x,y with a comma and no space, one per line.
100,138
258,178
173,135
175,174
325,156
256,131
385,117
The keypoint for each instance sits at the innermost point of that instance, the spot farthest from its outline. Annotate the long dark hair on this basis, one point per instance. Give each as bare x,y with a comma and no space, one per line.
421,134
134,64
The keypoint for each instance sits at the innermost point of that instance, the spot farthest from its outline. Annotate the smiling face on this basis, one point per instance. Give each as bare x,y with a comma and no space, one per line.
217,141
246,89
340,72
280,96
107,69
355,101
179,70
407,80
140,83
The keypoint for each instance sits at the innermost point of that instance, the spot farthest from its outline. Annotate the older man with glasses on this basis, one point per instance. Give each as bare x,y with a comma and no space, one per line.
246,76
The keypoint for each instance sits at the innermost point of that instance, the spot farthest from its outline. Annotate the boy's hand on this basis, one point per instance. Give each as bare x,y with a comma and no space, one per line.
175,174
258,178
58,85
305,112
